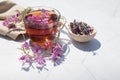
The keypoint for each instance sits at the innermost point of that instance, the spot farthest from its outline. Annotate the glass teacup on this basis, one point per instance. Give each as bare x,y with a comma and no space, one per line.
42,24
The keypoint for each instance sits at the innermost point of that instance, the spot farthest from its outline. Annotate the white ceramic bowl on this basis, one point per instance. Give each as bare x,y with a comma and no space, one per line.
82,38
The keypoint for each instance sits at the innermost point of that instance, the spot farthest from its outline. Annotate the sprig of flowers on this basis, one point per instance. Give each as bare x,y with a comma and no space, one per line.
36,54
11,21
43,20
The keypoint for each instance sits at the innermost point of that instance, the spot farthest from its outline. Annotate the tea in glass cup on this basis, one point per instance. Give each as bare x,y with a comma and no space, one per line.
42,24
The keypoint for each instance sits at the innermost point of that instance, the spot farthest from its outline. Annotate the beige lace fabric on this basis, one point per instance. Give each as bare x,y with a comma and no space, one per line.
7,9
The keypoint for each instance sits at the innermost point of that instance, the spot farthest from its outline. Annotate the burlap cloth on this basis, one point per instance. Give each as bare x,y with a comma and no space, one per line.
7,9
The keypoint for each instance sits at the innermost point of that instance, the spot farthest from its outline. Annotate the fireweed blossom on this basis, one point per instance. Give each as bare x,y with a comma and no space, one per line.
38,56
40,60
57,52
26,59
26,45
11,21
36,49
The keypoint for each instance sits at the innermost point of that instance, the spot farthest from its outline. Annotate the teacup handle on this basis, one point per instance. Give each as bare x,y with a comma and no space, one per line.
61,24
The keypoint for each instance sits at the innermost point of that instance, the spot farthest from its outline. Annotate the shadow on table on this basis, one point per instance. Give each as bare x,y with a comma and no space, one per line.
90,46
5,37
19,39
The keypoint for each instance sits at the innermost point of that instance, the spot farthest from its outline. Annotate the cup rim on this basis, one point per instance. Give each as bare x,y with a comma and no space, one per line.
47,7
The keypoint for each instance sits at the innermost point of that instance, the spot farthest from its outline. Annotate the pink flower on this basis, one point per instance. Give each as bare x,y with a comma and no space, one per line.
26,58
5,23
44,13
57,52
25,45
36,49
40,60
11,21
